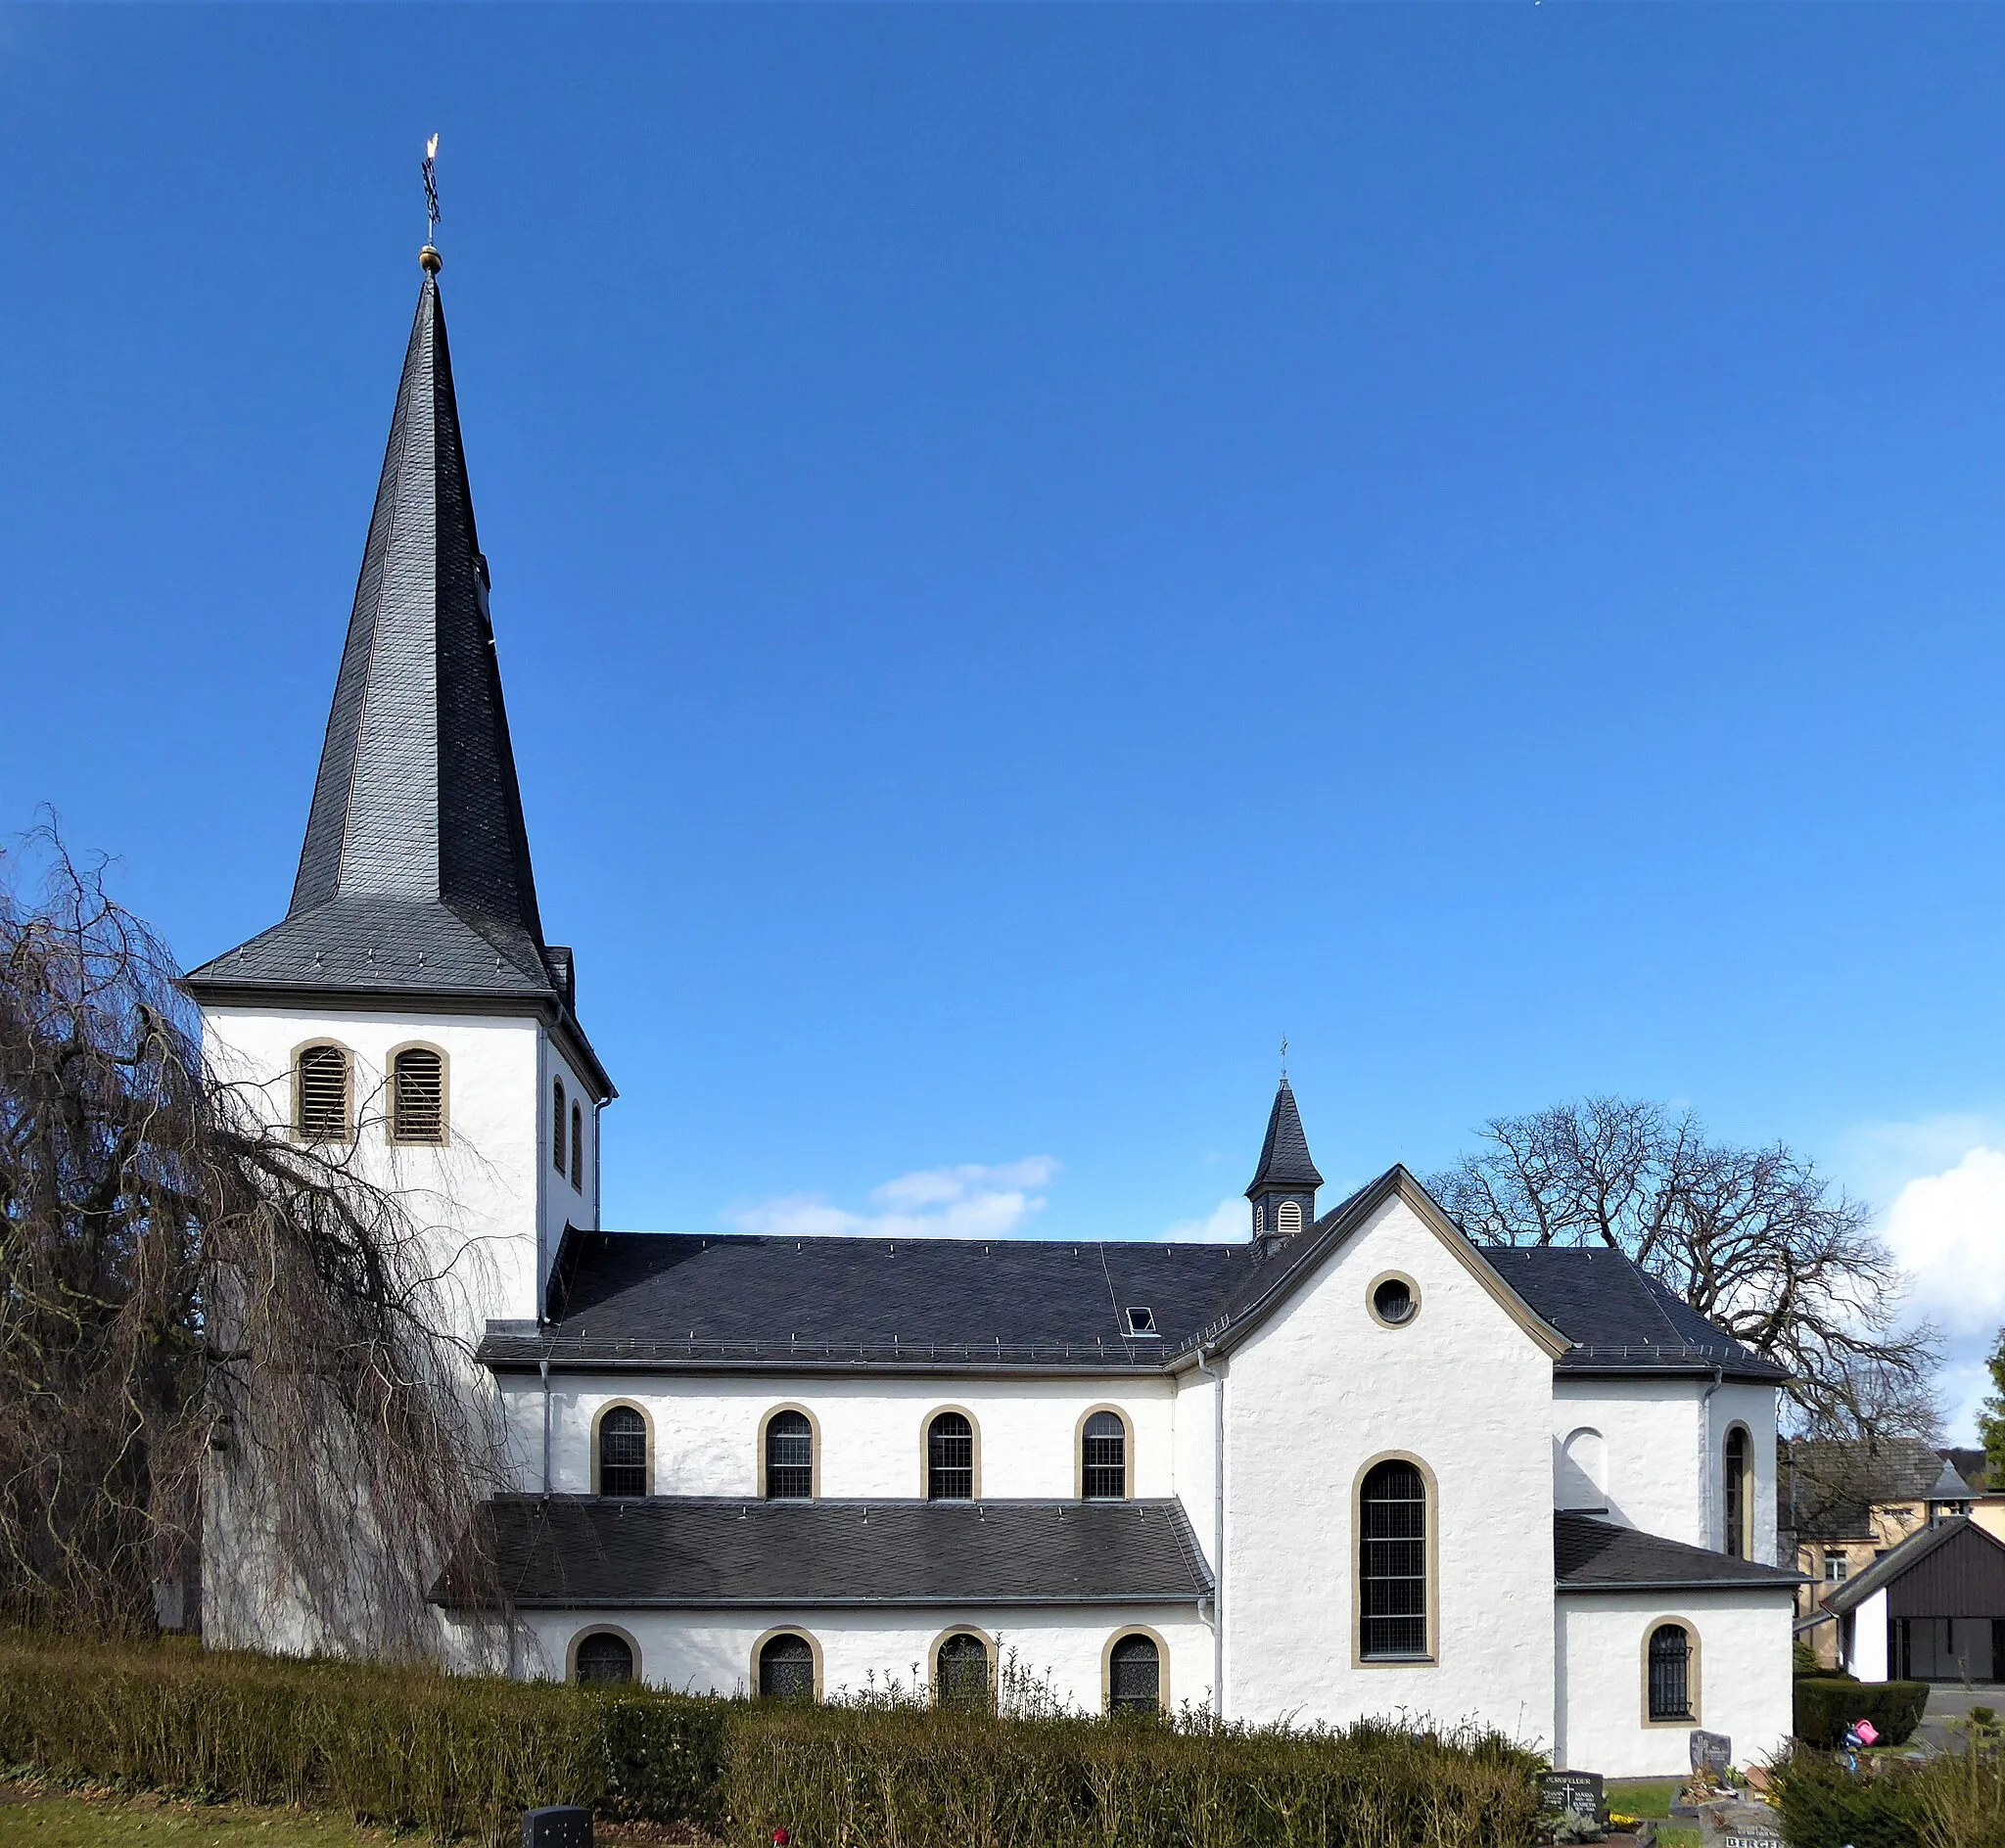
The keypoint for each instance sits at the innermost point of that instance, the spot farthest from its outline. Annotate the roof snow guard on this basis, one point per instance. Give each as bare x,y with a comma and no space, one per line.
415,875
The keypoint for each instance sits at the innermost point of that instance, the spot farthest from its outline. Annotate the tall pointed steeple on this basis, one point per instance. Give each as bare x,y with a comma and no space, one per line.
1285,1178
415,874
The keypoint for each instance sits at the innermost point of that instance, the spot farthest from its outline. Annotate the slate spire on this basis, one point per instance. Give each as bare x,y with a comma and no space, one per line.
415,873
1285,1173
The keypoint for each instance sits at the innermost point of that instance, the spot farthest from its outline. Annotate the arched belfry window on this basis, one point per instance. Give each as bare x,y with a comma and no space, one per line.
1287,1220
949,1458
1736,1505
789,1457
578,1147
417,1095
1670,1673
622,1452
320,1095
1392,1563
1103,1458
557,1124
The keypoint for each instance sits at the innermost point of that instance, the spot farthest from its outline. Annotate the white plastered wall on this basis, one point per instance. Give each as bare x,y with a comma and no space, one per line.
710,1651
1741,1676
1195,1458
1869,1638
1316,1393
871,1430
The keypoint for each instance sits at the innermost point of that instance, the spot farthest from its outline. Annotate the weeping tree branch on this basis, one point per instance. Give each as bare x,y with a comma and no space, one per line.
1755,1239
206,1326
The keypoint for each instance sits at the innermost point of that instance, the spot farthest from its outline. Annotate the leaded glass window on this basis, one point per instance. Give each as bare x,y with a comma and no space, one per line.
1103,1458
1670,1673
962,1677
1135,1676
578,1146
622,1452
1735,1499
1392,1563
789,1457
786,1669
950,1458
604,1660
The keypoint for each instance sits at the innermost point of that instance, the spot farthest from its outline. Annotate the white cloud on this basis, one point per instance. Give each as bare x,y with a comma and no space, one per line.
1948,1230
964,1201
1226,1223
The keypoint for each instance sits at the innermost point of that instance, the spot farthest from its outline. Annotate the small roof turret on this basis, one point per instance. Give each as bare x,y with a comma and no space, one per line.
1285,1163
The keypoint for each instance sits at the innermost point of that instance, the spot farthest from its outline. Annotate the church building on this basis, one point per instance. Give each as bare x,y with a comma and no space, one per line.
1355,1465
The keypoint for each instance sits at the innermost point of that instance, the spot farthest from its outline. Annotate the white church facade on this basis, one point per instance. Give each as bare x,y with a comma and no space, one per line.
1354,1465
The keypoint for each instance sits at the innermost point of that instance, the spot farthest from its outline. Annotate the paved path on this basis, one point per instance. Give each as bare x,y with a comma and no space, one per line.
1951,1700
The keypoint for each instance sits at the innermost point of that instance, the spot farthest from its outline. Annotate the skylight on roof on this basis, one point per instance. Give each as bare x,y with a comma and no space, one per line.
1140,1320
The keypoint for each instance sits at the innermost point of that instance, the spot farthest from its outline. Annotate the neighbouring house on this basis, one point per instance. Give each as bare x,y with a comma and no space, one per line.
1846,1505
1351,1465
1931,1609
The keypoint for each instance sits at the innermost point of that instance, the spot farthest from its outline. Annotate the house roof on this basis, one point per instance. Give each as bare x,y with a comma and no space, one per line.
1284,1155
702,1552
1900,1560
1593,1556
1830,1487
652,1300
414,879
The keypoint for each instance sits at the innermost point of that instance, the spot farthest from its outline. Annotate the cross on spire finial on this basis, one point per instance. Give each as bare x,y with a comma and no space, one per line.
429,256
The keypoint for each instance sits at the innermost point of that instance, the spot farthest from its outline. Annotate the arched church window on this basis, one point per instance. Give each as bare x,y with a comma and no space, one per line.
1103,1458
578,1147
417,1095
1670,1673
603,1661
962,1677
1736,1503
320,1095
786,1668
622,1452
1392,1563
1135,1676
1287,1220
789,1457
557,1124
950,1458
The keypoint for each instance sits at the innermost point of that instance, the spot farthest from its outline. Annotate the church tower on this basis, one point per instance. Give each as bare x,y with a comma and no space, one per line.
408,1003
1284,1186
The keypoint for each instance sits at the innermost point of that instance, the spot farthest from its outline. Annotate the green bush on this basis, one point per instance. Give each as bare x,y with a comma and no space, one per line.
1826,1806
460,1756
1826,1705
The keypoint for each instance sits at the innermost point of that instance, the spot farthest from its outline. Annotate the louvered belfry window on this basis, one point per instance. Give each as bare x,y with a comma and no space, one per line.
789,1457
1135,1676
578,1147
1103,1459
557,1124
950,1458
1670,1673
417,1095
1392,1563
622,1453
321,1089
1288,1220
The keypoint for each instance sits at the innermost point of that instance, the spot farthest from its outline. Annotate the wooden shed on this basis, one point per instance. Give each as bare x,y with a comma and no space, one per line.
1933,1610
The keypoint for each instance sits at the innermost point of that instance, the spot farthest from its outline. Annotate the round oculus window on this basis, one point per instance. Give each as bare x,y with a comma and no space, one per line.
1393,1301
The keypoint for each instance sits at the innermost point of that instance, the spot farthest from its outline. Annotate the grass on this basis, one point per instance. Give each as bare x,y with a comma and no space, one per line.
38,1818
1653,1797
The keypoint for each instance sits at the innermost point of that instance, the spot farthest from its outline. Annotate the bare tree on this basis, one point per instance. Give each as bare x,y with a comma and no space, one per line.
1754,1238
201,1315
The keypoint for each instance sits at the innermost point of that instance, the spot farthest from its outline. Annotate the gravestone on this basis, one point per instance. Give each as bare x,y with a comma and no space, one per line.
561,1825
1579,1791
1732,1824
1713,1753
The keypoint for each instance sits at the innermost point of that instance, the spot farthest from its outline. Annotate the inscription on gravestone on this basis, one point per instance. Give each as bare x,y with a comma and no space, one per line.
1711,1752
1579,1791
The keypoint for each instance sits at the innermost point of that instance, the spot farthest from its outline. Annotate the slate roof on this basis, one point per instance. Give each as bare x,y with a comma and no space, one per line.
649,1299
414,877
1620,1318
1284,1155
701,1551
1830,1487
1593,1555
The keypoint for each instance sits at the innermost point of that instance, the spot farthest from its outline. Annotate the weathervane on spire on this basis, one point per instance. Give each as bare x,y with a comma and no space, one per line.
429,256
1284,1058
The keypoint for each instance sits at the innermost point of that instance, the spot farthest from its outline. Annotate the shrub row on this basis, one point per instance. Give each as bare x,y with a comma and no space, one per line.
1826,1705
460,1756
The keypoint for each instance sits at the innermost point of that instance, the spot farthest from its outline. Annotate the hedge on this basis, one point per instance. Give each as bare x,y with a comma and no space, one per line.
1824,1705
1826,1806
460,1756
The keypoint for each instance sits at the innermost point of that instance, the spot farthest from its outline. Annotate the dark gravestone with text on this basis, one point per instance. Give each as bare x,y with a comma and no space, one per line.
1579,1791
562,1826
1711,1753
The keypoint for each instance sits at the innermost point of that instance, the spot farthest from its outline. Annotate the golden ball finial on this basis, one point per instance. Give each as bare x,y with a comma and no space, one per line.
429,260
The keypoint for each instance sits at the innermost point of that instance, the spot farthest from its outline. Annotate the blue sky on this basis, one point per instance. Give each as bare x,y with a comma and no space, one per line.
1037,550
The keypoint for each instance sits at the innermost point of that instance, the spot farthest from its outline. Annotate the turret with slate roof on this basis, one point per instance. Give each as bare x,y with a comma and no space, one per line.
1284,1186
415,878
